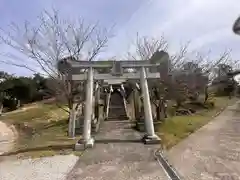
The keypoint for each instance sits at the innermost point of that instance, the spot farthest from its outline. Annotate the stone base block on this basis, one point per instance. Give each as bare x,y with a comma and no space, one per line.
140,125
83,144
151,139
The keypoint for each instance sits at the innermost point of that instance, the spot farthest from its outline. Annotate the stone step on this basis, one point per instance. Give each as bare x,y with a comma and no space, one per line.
140,126
94,129
117,114
126,121
120,117
117,124
117,118
117,108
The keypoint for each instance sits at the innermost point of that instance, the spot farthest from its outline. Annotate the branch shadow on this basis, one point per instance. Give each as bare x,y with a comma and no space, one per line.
60,123
67,146
41,148
30,131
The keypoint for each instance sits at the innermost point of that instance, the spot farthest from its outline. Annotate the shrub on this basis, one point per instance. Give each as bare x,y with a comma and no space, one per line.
210,104
10,104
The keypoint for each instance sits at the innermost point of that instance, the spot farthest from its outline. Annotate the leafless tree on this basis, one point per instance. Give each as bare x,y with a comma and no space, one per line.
53,39
196,73
178,59
39,48
145,47
208,66
175,85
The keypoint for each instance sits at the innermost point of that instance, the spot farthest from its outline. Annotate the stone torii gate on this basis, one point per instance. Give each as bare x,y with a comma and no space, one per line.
74,68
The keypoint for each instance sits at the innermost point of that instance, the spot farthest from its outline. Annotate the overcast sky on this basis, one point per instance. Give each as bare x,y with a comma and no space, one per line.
206,23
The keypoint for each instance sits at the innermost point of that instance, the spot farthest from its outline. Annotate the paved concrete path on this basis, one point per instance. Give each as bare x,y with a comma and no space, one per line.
213,152
119,155
49,168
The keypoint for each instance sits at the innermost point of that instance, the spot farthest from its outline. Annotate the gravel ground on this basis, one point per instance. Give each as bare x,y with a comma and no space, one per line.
213,152
50,168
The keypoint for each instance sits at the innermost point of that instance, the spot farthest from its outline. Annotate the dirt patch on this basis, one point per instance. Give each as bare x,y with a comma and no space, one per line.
42,131
8,135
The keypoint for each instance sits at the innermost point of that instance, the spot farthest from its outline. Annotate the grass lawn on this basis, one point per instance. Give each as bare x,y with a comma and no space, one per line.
44,133
175,128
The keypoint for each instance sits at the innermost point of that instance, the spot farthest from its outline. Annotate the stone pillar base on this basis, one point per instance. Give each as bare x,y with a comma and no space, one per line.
83,144
151,139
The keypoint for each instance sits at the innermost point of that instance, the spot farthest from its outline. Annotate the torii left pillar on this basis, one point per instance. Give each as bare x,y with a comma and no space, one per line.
87,141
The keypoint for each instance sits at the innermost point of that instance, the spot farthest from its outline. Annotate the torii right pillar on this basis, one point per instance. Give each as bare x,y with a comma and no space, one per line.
150,137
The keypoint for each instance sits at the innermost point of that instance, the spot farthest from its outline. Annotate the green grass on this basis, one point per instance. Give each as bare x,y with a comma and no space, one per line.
176,128
44,133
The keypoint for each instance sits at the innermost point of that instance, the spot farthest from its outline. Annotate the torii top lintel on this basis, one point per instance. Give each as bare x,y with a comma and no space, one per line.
70,63
109,64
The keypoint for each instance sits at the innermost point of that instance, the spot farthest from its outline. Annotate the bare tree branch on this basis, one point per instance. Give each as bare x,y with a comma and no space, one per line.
178,59
145,47
52,40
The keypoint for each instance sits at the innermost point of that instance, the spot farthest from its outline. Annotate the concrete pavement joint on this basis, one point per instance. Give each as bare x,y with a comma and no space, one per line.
168,169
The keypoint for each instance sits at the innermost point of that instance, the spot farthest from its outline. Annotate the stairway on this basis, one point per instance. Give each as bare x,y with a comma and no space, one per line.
117,110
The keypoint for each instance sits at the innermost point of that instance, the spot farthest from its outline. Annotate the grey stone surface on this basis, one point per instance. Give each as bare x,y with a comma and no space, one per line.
51,168
213,152
118,154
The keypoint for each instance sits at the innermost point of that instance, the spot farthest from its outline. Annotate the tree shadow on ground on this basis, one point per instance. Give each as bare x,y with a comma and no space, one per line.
60,123
40,148
30,131
67,146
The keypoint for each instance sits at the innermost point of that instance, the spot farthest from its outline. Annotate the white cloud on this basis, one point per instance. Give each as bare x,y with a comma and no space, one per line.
203,22
206,23
211,37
